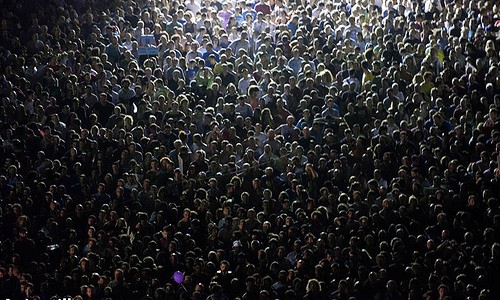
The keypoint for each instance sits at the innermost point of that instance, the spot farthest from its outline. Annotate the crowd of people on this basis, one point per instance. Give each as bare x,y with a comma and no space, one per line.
276,149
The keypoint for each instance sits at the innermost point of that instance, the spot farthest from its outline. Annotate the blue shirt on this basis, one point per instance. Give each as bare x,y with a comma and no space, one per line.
191,73
293,27
295,64
206,54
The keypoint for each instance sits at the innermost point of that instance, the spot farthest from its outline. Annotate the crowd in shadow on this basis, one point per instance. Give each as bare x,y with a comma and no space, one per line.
279,149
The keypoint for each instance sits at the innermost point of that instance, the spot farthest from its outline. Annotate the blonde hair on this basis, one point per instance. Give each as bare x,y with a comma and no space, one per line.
310,283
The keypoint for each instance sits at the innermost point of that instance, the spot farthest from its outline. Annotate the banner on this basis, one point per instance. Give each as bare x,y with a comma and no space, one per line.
147,45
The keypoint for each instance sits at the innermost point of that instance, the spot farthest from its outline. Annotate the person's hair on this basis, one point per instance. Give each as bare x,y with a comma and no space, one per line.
253,88
310,283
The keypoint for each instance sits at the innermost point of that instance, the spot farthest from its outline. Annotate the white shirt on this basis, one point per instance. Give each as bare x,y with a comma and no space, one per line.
243,85
261,138
194,7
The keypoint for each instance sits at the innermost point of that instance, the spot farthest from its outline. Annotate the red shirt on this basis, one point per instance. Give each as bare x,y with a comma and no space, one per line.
263,7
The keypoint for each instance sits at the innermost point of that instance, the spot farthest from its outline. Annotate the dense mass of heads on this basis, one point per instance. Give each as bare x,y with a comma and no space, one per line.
276,149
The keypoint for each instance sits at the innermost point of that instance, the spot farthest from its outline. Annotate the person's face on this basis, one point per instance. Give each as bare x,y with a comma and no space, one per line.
223,267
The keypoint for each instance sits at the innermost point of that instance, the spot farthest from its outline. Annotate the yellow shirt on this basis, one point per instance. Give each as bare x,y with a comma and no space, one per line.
426,87
367,76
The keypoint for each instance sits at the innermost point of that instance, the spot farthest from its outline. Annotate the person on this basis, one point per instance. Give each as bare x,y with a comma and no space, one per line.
249,11
210,53
287,129
241,43
114,50
225,14
104,109
262,7
314,290
243,108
